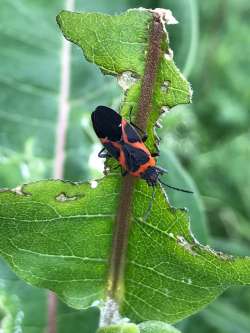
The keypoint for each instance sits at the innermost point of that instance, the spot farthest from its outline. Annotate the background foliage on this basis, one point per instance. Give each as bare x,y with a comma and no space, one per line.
210,138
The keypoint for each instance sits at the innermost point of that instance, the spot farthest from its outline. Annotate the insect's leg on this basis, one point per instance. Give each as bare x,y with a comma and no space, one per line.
103,154
161,171
155,154
116,167
124,172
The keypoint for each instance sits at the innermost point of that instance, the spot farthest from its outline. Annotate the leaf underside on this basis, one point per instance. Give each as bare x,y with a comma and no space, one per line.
58,235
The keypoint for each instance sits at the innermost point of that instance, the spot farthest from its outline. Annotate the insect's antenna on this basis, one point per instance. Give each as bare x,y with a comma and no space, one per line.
175,188
150,204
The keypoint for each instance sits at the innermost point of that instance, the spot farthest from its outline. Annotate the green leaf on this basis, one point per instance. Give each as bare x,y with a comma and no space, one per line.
119,46
58,235
109,41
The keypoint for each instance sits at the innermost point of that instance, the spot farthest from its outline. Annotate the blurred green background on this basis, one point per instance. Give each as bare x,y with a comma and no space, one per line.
206,143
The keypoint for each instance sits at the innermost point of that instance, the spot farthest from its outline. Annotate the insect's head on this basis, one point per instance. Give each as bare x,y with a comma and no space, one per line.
151,175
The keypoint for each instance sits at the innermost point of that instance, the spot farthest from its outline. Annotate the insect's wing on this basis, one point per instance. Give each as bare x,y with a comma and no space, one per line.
130,134
134,157
107,123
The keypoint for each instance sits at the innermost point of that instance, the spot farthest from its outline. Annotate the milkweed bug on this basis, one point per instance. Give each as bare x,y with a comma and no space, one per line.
122,141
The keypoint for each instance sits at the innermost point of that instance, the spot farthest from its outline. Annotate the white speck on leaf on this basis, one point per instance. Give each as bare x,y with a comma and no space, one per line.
165,109
183,242
93,184
62,197
18,190
126,80
166,291
187,281
169,56
96,303
164,86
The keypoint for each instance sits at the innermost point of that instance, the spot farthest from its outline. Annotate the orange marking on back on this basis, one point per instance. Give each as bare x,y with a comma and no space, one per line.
124,135
138,145
151,163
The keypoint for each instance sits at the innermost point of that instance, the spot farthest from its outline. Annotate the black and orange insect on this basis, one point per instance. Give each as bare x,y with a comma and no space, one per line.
122,141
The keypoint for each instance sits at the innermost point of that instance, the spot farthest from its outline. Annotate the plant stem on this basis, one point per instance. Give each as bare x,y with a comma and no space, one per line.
62,126
120,238
63,108
52,305
148,80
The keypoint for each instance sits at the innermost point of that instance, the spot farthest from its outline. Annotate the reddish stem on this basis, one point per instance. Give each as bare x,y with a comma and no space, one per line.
120,238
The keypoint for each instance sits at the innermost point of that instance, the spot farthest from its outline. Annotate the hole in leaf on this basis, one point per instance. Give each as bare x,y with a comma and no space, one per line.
62,197
165,85
126,80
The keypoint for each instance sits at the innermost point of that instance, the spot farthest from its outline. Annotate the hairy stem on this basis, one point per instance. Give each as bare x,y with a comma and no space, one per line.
148,80
120,239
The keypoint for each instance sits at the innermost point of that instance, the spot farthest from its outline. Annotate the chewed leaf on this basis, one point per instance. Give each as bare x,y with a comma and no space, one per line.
65,245
119,45
110,41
